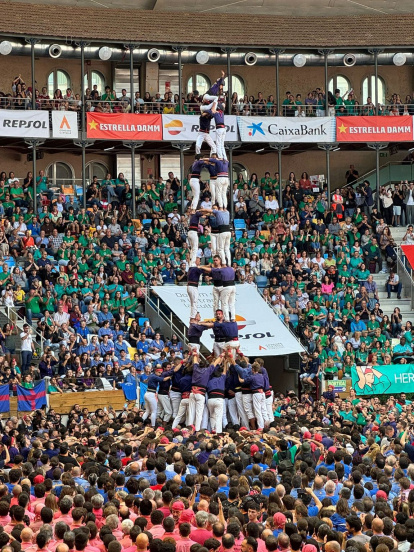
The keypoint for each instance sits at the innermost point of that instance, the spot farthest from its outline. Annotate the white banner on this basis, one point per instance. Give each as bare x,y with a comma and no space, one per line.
24,124
184,128
287,129
65,124
261,332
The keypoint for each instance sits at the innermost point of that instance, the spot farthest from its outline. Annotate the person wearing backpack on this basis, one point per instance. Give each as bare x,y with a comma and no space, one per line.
285,456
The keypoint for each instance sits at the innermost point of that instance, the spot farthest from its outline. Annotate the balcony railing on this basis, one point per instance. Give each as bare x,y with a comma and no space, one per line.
243,108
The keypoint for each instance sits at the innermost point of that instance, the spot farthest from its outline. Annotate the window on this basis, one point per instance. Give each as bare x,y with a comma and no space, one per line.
60,174
240,169
170,163
93,78
95,168
167,81
123,80
198,82
237,85
341,82
368,90
58,79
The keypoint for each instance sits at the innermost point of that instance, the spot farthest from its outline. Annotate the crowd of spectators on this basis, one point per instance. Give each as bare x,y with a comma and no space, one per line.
81,277
330,476
293,105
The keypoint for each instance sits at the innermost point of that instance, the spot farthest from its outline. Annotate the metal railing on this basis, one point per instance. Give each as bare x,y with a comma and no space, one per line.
406,275
14,317
264,107
391,172
154,302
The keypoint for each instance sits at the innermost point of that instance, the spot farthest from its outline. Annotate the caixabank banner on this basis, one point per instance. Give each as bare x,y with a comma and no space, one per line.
287,129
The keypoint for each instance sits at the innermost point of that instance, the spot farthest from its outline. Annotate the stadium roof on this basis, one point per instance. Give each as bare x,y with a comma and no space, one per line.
232,29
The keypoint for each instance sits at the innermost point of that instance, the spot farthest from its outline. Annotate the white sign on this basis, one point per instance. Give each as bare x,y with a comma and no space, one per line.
287,129
65,124
261,332
184,128
24,124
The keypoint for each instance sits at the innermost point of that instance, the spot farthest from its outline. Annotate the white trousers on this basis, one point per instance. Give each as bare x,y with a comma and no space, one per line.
182,413
240,409
205,419
248,405
205,137
192,346
222,186
209,98
164,408
219,348
195,410
228,302
192,292
216,298
259,408
215,409
269,408
195,188
233,413
224,247
192,238
214,244
175,398
220,139
150,403
213,190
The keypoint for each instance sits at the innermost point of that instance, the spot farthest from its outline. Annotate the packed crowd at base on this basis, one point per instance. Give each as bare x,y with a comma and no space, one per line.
315,480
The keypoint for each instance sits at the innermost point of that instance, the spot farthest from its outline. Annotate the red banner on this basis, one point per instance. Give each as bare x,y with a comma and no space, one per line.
124,126
374,129
408,251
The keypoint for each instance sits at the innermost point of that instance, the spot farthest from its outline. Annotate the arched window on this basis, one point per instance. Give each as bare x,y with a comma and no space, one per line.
96,168
240,170
368,90
237,85
198,82
95,78
57,79
341,82
60,174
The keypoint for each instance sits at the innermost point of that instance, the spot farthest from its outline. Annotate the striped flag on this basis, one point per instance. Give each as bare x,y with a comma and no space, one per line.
31,399
4,398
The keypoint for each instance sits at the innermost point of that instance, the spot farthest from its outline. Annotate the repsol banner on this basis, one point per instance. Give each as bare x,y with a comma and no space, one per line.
24,124
261,332
386,379
287,129
184,128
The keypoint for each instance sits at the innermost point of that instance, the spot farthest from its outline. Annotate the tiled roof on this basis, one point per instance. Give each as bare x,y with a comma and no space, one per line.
149,27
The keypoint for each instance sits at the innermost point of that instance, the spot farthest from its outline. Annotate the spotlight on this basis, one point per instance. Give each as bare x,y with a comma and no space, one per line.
202,57
399,59
5,47
299,60
105,53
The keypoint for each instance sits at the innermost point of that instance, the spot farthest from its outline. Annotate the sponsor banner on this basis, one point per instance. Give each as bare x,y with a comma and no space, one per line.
377,380
184,128
24,124
287,129
124,126
65,124
408,251
261,332
374,129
